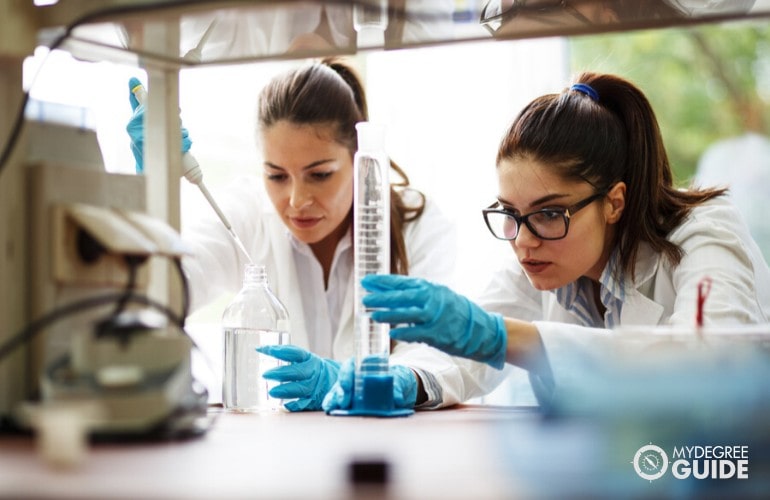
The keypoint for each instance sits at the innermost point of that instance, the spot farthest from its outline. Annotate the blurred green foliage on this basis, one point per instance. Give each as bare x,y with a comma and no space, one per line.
705,83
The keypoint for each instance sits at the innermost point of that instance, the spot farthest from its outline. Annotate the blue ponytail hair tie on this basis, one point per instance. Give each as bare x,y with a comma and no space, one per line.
586,89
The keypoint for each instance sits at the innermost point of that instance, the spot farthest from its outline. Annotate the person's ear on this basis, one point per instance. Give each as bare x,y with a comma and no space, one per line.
616,198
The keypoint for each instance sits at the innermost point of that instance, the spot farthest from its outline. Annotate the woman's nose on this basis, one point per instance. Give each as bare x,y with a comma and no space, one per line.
526,238
300,196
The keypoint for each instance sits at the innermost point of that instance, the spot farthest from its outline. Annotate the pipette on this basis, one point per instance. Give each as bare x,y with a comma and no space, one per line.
192,172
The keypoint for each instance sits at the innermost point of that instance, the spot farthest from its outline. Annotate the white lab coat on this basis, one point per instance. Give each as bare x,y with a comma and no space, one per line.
217,267
716,243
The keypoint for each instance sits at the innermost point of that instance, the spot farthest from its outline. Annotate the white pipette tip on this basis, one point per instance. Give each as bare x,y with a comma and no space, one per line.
240,245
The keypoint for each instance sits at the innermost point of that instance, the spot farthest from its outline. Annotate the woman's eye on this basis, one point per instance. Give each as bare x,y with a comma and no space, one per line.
321,175
551,214
275,177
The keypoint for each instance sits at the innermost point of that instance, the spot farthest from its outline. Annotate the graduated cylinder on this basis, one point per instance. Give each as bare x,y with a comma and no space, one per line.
371,232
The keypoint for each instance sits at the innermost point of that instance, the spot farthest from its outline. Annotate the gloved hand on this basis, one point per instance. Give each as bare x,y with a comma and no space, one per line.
341,395
306,379
437,316
135,127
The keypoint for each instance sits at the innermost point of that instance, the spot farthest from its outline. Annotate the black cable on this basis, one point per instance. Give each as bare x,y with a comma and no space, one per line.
33,328
133,269
185,289
123,298
111,325
176,424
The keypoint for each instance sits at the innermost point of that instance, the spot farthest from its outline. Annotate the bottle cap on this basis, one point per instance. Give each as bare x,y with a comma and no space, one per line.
370,136
254,273
370,37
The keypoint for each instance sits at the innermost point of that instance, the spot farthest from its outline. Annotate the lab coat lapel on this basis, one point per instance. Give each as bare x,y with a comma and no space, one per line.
639,308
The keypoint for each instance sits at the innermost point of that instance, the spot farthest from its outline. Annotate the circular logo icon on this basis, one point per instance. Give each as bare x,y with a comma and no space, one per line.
650,462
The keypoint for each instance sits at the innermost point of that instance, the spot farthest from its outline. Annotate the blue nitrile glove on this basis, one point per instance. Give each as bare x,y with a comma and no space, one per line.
437,316
135,127
340,397
306,379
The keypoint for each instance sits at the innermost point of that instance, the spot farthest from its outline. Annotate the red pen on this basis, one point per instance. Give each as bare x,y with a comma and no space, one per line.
704,287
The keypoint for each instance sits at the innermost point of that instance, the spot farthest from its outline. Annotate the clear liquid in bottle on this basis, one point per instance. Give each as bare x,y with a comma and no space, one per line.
246,390
254,318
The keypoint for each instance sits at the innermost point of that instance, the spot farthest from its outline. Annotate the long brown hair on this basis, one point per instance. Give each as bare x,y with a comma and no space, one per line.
331,92
602,139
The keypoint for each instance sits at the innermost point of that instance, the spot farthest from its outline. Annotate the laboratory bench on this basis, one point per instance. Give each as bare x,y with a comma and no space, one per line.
470,451
450,453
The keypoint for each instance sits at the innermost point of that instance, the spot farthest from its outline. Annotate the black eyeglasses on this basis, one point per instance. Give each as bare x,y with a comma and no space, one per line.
495,13
546,224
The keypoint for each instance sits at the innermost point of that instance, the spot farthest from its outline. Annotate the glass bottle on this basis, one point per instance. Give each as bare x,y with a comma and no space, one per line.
254,318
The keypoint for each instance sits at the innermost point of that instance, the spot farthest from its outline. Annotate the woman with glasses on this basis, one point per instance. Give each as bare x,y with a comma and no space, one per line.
601,238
